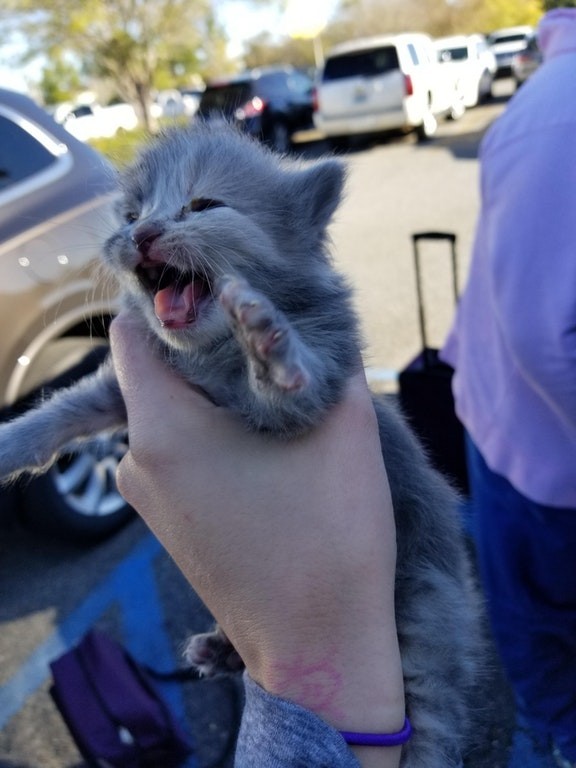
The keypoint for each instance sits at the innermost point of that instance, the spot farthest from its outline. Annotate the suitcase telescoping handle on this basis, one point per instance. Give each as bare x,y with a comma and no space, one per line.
417,237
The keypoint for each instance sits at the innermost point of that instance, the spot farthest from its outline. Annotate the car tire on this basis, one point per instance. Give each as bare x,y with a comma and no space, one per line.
279,137
485,87
457,110
77,498
428,127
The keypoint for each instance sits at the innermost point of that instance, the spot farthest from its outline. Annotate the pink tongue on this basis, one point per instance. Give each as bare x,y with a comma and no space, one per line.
177,307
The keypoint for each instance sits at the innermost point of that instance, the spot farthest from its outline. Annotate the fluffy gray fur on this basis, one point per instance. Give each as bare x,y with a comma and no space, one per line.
271,334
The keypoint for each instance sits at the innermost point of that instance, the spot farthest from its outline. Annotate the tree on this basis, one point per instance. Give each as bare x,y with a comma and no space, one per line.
495,14
60,81
263,50
436,17
132,43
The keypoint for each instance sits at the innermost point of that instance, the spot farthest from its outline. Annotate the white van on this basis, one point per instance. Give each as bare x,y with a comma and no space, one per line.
384,83
473,63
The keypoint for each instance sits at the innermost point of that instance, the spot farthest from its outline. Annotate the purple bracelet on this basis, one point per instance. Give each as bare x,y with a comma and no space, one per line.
379,739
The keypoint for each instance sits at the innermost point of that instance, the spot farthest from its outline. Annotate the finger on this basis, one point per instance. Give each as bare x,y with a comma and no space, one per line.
142,374
137,367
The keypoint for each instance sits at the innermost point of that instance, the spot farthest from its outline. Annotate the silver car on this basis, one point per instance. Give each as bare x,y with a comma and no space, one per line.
526,62
505,44
56,208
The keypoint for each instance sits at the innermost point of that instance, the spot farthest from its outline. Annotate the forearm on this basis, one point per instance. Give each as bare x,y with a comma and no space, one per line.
291,545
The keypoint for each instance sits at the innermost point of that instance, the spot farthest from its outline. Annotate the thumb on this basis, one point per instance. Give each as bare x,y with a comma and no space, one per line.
148,384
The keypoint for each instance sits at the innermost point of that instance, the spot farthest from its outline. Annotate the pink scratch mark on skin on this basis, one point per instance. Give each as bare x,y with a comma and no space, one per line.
316,686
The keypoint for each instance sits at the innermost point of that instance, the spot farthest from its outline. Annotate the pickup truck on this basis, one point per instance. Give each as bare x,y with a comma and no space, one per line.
379,84
91,121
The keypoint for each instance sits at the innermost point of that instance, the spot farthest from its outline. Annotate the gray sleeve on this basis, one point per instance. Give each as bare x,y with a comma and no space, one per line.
276,733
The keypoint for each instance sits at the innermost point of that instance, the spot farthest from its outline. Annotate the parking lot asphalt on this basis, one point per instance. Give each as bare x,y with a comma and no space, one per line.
144,603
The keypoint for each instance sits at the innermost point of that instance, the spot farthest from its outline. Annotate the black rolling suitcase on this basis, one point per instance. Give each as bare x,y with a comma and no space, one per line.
425,386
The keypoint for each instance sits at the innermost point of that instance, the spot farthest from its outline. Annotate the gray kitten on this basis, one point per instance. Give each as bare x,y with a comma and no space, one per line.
222,253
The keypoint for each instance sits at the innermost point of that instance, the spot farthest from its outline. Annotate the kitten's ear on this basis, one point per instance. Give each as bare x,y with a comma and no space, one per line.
317,191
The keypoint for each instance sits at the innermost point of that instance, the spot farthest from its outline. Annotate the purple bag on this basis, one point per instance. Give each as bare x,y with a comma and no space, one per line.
112,709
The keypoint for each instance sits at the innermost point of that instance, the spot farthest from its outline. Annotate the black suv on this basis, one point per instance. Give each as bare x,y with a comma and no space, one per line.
271,103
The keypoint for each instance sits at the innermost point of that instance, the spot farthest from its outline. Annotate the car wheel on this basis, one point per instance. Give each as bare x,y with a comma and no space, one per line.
279,137
427,127
485,86
77,499
457,109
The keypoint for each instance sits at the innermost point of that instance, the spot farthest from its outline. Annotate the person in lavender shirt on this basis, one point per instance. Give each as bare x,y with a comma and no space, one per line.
513,347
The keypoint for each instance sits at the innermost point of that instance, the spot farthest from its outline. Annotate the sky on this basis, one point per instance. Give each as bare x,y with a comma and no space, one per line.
242,21
303,18
11,77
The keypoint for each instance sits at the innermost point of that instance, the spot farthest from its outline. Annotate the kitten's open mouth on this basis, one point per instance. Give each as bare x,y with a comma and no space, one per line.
177,295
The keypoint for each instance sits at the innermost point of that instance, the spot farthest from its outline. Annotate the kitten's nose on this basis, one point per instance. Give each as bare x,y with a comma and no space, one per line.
146,234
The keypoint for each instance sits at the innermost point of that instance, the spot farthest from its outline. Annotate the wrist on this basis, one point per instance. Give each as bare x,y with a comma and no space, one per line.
361,693
358,688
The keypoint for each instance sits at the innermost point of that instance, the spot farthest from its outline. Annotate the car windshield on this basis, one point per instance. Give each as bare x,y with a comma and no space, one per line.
367,63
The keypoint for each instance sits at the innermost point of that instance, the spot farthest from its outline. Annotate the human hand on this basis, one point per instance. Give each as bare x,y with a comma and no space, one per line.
291,545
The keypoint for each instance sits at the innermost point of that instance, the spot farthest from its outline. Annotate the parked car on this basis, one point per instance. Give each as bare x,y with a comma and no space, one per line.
505,43
56,207
269,103
91,121
191,98
473,62
526,62
378,84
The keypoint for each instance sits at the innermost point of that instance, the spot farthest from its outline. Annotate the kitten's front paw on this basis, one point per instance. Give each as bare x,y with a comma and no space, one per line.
212,653
270,342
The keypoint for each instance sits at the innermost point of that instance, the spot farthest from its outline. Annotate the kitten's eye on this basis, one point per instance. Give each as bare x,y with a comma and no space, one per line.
201,204
131,217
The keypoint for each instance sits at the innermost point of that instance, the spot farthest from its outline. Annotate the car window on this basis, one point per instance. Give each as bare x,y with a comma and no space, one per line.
225,98
299,83
271,83
507,38
21,156
82,111
367,63
455,54
413,54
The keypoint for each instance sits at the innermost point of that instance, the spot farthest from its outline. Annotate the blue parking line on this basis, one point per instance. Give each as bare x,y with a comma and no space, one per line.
132,587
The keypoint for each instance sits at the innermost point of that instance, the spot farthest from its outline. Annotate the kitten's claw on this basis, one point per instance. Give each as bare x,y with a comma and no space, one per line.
265,334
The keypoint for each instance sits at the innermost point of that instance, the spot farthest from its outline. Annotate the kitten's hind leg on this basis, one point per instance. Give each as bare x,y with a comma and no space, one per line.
273,349
33,441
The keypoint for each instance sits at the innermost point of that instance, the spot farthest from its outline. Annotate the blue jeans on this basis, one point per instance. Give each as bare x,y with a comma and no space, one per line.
527,561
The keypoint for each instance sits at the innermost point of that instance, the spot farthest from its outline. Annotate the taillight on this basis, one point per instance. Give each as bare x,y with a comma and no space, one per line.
315,99
252,108
408,86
